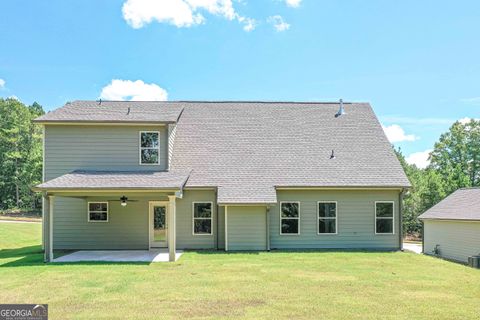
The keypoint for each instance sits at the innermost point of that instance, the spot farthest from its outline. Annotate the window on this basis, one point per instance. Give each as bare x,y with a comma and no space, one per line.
149,147
289,217
202,218
384,217
327,217
98,212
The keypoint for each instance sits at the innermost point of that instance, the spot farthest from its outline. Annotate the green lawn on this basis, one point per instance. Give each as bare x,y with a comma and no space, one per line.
204,285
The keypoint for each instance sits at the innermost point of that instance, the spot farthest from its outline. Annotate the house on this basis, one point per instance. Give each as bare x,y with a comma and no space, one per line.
452,227
219,175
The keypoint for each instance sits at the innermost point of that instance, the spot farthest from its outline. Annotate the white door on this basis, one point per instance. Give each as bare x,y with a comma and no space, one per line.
158,224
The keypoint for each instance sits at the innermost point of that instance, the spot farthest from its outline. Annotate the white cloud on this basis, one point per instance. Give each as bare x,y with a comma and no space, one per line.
180,13
133,90
467,120
420,159
293,3
475,100
278,23
417,121
395,133
249,24
2,83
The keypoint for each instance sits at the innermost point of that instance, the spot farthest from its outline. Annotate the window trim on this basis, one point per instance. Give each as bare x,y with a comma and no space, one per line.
281,218
193,219
336,218
97,221
140,148
392,218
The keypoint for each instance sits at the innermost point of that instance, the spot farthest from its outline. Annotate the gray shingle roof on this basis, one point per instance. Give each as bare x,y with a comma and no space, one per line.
84,180
463,204
248,148
114,111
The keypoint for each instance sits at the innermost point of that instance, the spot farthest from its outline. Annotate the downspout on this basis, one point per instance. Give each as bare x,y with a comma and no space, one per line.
423,236
218,218
226,228
400,217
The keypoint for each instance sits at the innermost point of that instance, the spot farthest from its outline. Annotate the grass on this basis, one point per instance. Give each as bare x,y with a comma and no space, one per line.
212,285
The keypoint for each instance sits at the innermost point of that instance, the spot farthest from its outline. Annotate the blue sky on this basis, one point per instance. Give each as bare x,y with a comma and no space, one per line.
416,62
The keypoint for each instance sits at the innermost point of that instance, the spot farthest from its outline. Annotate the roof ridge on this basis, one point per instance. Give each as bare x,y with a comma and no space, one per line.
227,101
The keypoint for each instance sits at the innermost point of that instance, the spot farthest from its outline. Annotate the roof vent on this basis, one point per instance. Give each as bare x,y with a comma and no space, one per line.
332,156
341,111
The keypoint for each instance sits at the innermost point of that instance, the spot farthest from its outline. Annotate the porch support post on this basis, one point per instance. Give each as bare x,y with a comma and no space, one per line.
172,246
47,223
45,211
50,228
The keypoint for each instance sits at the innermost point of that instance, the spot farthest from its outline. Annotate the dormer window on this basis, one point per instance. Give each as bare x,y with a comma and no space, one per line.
149,147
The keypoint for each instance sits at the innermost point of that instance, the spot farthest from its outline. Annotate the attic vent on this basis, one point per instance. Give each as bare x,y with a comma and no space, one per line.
341,111
332,156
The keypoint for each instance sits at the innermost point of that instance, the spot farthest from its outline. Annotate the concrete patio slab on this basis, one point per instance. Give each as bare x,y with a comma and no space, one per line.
157,255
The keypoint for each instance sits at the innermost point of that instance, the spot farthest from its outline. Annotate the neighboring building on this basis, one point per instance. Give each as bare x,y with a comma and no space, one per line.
219,175
452,227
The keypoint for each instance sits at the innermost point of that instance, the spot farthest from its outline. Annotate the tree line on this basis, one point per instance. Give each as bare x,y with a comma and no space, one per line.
454,163
20,155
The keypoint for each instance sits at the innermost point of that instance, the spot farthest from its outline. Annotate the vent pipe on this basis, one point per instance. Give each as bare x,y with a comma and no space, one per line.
341,111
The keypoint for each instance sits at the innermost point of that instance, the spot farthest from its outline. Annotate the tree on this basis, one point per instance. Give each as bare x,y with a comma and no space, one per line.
456,156
20,154
427,190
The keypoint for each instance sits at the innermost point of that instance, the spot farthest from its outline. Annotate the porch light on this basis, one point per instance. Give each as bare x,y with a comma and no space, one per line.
123,200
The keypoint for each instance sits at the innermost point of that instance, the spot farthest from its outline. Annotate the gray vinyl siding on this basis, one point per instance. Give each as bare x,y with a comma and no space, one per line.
457,240
185,237
69,148
355,220
246,228
127,227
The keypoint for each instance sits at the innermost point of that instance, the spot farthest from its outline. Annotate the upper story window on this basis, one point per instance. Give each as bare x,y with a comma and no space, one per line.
327,217
384,216
149,147
289,217
98,212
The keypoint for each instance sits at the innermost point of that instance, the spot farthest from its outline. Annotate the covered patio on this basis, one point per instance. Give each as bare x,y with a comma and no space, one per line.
153,191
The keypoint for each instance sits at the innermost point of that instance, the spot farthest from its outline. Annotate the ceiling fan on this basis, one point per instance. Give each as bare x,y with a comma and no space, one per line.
123,201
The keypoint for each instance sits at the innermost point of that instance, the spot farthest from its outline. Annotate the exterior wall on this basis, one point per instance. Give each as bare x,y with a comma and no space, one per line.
127,227
185,237
246,228
69,148
75,147
457,240
355,220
